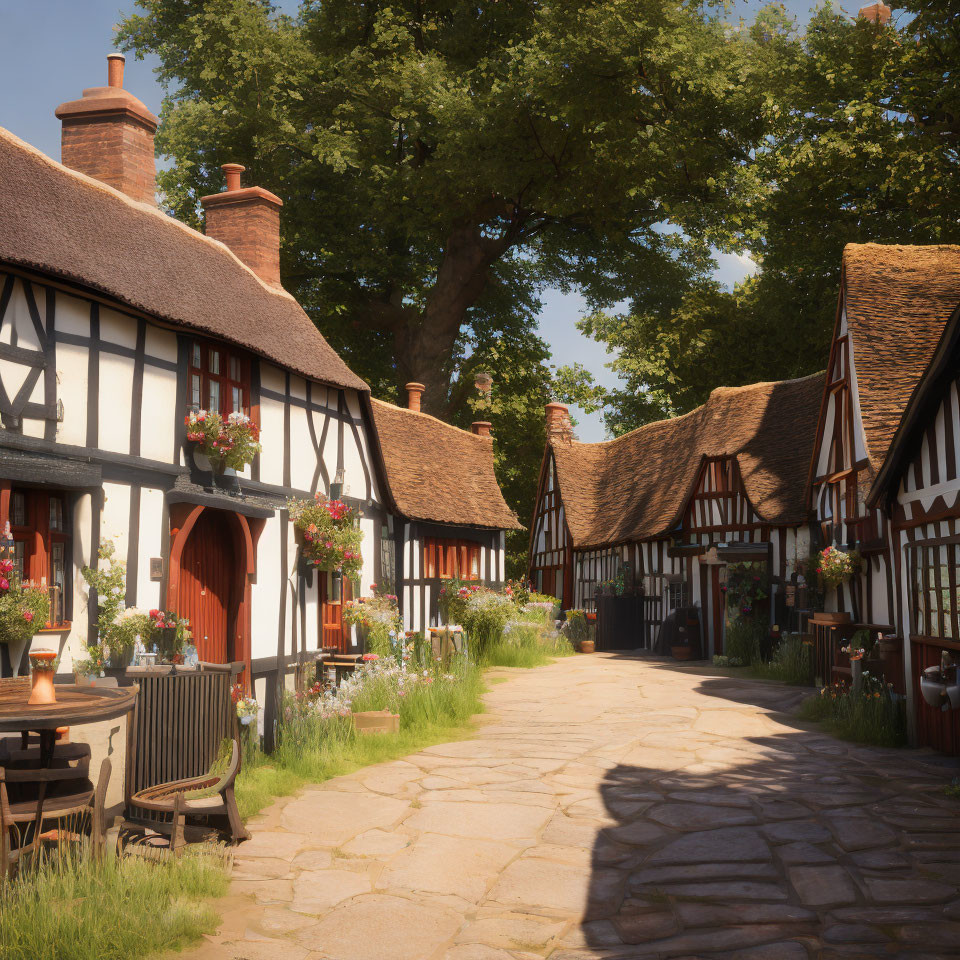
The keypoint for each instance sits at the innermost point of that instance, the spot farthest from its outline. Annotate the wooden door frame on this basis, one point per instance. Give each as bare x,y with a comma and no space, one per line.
183,518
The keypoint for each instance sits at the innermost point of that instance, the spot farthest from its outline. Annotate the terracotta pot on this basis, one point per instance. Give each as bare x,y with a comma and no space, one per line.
42,663
832,617
682,651
588,646
376,721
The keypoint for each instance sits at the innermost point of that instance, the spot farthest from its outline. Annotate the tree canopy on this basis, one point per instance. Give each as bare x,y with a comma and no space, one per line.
860,125
441,162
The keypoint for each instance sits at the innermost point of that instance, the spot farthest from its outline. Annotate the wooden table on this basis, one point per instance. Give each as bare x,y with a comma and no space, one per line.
76,705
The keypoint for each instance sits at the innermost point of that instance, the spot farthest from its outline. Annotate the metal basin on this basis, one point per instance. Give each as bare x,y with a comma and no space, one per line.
941,688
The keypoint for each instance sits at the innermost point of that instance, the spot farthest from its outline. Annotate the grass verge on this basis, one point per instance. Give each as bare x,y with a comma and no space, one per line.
69,908
315,751
873,716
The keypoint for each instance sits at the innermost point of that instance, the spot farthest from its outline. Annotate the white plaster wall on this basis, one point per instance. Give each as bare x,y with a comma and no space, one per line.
158,414
150,541
72,316
265,593
161,343
115,516
271,439
116,390
118,328
303,457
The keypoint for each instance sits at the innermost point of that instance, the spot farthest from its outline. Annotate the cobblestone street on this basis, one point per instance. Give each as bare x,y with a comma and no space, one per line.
610,807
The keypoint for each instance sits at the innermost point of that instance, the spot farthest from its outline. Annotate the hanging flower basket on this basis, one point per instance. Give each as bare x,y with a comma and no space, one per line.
329,535
233,442
836,566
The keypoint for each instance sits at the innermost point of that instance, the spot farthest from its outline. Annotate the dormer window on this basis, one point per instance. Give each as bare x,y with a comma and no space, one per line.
219,379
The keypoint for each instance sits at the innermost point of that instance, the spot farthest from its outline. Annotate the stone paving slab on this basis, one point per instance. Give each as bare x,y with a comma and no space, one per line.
610,808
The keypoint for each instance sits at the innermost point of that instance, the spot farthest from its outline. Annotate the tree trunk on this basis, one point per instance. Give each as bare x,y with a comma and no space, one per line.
424,339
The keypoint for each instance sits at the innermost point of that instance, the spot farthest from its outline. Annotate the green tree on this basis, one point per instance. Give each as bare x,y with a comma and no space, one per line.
860,136
441,163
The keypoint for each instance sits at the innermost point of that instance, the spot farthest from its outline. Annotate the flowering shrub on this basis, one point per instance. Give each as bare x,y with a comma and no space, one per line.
872,714
746,585
576,626
225,443
379,615
481,612
331,535
836,566
24,606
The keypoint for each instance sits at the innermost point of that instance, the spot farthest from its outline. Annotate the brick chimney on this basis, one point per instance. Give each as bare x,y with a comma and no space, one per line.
558,422
414,393
108,134
876,13
247,220
482,428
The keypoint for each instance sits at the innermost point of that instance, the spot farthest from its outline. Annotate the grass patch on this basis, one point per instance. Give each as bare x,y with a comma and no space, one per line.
526,644
312,750
791,662
874,715
69,908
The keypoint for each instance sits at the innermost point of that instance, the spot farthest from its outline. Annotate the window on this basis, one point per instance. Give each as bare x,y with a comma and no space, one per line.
934,591
219,379
388,560
446,558
40,527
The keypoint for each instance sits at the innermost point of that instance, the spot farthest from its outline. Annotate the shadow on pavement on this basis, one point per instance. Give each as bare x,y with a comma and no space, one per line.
781,847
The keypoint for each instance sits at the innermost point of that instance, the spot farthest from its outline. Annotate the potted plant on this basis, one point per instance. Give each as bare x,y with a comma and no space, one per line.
232,443
24,609
171,634
86,669
377,622
329,535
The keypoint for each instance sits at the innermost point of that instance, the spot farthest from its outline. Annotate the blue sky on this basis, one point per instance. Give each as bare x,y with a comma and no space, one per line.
51,49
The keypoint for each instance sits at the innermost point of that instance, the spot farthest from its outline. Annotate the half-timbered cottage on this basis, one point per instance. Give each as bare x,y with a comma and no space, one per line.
893,305
115,320
451,518
677,500
918,489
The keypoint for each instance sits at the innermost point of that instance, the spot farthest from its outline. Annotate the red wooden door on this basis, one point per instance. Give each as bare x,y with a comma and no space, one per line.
718,597
208,595
333,632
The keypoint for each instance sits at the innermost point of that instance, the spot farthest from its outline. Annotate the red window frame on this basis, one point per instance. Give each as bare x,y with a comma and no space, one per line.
39,537
226,372
446,558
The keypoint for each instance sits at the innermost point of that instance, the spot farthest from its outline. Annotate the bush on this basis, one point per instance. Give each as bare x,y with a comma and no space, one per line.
743,640
874,715
71,908
577,628
792,662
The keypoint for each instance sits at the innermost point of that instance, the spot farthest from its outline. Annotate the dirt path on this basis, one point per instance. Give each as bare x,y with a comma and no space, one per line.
617,808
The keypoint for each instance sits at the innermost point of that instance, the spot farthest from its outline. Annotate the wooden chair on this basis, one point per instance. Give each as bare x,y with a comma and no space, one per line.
217,806
59,793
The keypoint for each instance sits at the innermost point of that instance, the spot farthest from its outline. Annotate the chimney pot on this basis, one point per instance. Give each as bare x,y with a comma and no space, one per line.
414,393
247,220
233,171
482,428
108,135
115,64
